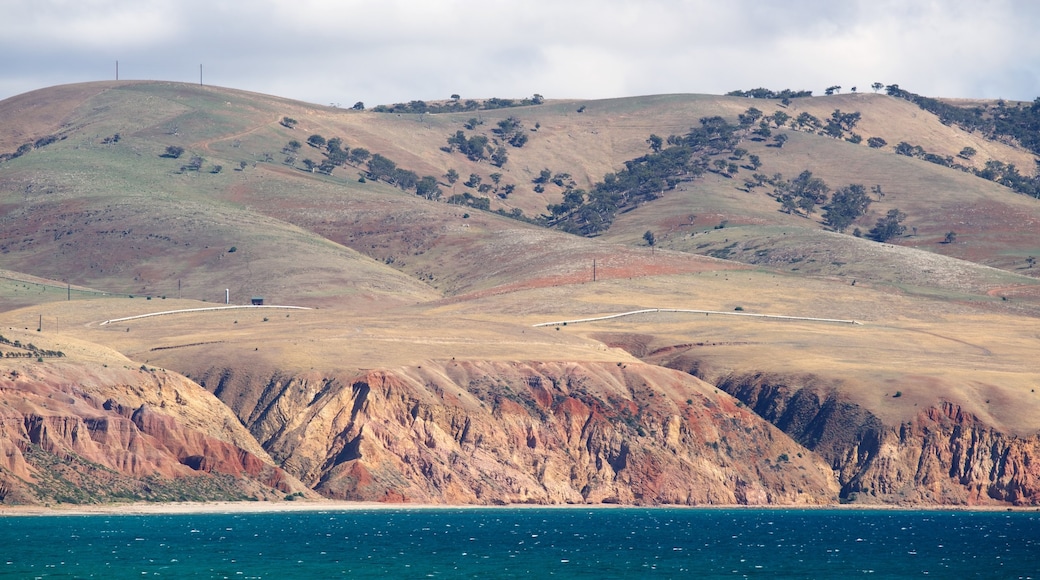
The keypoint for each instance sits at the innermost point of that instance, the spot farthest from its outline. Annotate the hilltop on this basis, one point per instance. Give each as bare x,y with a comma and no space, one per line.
421,250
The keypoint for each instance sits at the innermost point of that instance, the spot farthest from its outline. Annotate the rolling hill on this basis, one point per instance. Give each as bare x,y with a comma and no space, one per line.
401,354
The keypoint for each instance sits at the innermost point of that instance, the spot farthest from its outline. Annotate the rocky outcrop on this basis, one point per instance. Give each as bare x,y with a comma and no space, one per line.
546,433
64,440
943,456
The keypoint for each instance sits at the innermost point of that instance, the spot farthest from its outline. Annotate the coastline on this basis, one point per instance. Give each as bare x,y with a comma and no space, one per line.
242,507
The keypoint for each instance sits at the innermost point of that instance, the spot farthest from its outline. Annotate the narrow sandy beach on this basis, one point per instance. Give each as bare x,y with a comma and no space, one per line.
233,507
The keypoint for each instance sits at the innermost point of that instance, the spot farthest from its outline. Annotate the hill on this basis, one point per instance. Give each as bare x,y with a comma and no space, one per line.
397,358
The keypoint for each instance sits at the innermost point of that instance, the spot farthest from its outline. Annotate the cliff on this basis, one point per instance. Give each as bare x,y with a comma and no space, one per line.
521,432
942,456
78,433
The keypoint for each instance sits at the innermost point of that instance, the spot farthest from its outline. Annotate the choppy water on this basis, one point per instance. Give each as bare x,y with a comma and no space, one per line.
503,542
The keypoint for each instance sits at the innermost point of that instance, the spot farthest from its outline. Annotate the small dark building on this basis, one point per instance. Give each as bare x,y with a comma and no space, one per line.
257,301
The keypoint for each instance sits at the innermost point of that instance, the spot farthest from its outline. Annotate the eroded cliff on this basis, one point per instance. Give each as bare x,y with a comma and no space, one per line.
521,432
77,433
943,455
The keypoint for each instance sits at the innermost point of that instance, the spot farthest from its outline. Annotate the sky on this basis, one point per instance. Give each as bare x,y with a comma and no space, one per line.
340,52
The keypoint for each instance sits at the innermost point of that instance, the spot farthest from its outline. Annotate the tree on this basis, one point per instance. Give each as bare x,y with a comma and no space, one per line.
316,141
1031,261
754,162
359,155
749,117
967,153
455,96
452,176
847,204
358,106
499,157
951,237
655,143
889,226
780,118
543,176
779,140
650,239
173,152
194,164
876,142
877,86
380,167
288,122
832,89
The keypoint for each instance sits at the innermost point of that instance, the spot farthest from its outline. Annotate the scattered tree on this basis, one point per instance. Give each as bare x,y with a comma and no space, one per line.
316,141
967,153
288,122
173,152
655,143
779,141
846,205
359,155
877,86
650,240
452,176
499,157
889,226
876,142
832,90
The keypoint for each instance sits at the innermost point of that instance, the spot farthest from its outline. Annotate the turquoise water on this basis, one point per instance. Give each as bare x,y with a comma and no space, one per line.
503,542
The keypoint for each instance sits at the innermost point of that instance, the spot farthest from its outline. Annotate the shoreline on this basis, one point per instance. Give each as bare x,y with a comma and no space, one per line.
259,507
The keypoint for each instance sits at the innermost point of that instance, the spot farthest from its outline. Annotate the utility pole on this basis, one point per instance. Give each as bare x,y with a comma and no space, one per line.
593,270
200,75
117,70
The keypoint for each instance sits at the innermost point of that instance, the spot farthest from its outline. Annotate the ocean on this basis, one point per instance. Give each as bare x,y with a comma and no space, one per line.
514,542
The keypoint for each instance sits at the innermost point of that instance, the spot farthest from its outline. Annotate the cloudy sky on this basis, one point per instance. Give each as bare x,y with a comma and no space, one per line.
385,51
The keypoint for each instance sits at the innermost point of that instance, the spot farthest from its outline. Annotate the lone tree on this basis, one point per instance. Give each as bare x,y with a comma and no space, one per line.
651,240
951,237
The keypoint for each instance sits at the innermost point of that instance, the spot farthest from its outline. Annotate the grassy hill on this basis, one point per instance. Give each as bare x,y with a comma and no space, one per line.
396,282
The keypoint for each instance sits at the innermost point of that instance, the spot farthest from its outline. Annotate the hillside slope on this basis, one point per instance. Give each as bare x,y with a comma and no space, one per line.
396,358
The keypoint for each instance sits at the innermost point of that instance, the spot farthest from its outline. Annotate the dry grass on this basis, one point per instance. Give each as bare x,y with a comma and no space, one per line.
398,280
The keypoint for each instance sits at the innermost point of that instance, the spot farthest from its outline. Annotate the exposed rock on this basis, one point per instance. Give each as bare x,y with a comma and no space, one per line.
547,433
943,456
63,439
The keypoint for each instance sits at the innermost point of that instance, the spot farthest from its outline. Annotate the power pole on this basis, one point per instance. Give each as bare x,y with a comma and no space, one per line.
117,70
593,270
200,75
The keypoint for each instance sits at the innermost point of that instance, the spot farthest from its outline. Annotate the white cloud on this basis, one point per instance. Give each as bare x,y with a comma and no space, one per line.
398,50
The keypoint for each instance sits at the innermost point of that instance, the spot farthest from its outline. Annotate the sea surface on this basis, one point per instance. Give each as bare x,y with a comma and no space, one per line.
506,542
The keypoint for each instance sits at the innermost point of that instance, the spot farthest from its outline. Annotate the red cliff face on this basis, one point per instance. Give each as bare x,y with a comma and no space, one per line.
63,438
943,456
546,433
